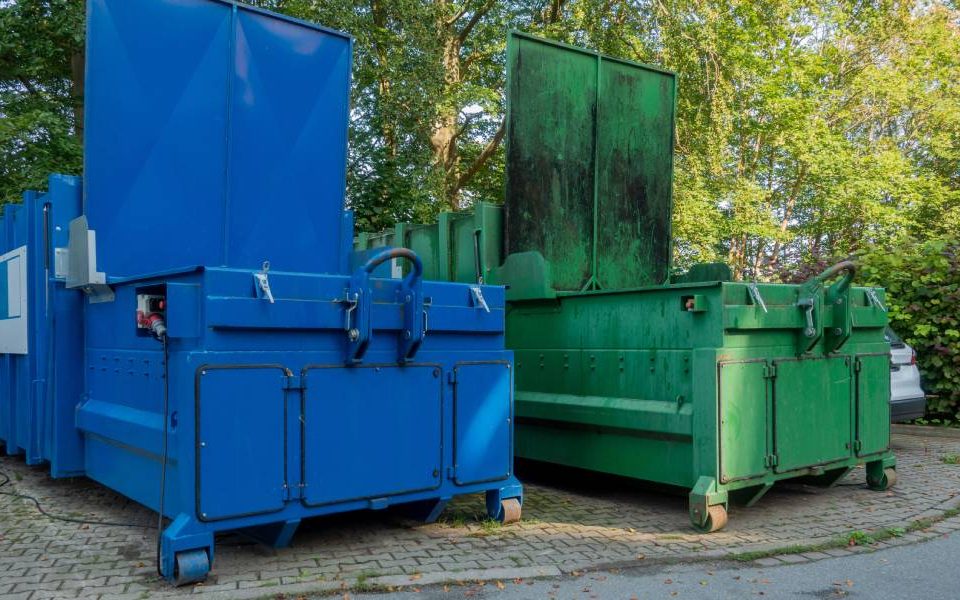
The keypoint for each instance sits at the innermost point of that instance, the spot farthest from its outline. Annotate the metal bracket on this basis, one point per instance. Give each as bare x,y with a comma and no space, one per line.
755,295
770,372
875,300
294,382
771,460
478,299
262,282
82,263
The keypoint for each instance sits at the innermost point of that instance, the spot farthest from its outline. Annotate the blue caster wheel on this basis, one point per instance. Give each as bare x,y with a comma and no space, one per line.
190,566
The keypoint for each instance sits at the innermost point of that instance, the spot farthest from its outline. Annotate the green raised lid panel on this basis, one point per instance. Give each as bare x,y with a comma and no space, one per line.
812,412
873,403
589,164
635,145
552,100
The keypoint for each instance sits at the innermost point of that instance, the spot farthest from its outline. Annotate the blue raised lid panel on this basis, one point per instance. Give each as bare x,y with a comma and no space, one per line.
216,135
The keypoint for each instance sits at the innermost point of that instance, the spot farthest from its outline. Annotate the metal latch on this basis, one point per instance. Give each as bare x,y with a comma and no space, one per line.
478,297
875,300
262,282
771,460
755,295
807,304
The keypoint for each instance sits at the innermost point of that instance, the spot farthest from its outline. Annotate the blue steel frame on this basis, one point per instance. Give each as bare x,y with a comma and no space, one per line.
344,391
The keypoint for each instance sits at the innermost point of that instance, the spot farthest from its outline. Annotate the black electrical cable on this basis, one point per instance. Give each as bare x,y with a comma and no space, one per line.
163,452
42,511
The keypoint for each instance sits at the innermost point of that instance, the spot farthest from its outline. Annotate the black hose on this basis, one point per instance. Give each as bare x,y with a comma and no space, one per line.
42,511
163,452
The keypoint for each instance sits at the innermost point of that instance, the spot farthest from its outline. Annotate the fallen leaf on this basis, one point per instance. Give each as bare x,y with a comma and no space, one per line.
500,585
446,588
668,581
415,576
641,556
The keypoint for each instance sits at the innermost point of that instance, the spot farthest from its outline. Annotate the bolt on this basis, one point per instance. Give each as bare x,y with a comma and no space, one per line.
406,334
353,335
203,444
837,331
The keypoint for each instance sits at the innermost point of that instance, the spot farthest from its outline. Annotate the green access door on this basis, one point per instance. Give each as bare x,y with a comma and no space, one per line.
873,403
744,420
812,401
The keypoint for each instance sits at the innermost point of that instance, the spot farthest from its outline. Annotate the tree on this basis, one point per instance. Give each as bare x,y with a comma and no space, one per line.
41,92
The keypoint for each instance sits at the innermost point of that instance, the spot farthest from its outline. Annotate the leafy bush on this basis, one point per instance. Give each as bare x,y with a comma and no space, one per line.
923,291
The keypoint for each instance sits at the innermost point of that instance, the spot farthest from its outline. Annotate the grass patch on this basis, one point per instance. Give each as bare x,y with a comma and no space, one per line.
950,459
854,538
364,586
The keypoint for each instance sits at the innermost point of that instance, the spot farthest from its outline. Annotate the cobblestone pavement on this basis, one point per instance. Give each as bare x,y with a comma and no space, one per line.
593,522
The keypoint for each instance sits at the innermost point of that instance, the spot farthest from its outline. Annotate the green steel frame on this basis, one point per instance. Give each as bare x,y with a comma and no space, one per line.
716,386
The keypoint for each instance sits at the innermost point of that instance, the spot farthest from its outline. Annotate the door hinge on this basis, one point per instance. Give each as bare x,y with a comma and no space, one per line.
293,492
857,365
452,377
769,371
857,445
771,460
294,382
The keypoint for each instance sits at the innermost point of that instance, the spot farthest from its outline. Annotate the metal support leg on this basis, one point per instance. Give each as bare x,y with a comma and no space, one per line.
882,474
708,505
504,504
275,535
186,552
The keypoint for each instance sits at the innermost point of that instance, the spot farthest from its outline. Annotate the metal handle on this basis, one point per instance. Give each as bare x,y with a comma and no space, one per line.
846,265
378,259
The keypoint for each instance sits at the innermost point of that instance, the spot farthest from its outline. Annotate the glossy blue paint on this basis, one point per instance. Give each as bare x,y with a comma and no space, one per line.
215,141
229,135
40,389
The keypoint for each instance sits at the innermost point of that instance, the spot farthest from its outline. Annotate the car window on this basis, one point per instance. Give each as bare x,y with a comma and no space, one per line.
894,339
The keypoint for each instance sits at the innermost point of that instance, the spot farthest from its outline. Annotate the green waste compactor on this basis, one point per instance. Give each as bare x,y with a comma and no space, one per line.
721,387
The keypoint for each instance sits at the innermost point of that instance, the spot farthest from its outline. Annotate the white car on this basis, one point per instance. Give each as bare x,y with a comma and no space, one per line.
907,399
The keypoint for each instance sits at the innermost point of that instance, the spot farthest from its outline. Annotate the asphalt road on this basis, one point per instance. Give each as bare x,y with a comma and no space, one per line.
928,570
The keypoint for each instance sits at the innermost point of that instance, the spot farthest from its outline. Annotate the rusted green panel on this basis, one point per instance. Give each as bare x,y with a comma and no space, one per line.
589,164
635,144
550,156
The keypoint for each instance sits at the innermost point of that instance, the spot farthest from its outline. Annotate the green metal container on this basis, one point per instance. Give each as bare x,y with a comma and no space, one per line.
716,386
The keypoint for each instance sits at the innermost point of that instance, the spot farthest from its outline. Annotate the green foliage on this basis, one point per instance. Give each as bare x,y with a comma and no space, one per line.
923,292
40,49
806,129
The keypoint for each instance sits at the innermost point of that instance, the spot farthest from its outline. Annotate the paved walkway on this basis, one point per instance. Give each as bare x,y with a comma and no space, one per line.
594,522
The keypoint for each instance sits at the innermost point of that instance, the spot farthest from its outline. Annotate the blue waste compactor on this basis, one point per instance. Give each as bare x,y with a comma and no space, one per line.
187,324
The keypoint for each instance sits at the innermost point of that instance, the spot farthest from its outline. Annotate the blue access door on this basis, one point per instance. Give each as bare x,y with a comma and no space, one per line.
483,410
371,431
240,441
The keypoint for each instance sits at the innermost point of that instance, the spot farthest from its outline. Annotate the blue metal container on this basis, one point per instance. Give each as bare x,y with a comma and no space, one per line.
199,342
